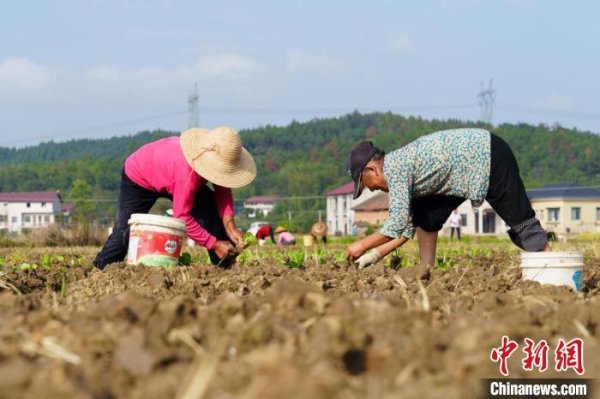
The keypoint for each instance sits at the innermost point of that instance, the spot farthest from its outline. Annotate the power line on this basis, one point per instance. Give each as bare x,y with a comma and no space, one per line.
193,111
549,112
486,101
314,110
103,127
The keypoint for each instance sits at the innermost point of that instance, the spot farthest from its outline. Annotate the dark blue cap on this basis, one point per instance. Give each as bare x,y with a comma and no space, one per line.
359,157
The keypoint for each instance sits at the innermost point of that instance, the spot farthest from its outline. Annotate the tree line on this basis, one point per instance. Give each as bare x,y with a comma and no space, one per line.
300,159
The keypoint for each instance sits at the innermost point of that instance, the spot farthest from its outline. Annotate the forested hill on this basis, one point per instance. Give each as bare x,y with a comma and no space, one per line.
301,158
114,147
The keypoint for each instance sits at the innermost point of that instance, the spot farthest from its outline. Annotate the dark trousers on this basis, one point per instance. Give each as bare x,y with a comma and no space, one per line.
316,239
134,198
508,197
457,229
506,193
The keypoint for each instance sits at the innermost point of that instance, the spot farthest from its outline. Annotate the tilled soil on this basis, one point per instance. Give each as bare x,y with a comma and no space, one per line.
322,331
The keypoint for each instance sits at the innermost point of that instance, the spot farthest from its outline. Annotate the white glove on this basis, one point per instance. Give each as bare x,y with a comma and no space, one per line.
368,259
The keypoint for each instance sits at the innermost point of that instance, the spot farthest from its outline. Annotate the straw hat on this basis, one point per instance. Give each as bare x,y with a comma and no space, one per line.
218,156
319,229
280,229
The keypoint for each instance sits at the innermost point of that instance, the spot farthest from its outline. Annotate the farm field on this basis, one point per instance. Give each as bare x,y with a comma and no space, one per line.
295,324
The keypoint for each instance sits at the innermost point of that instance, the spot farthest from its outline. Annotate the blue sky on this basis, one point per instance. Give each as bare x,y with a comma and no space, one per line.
81,69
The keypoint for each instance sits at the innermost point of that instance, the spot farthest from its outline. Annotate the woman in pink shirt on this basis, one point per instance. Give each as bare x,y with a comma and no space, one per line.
178,168
285,237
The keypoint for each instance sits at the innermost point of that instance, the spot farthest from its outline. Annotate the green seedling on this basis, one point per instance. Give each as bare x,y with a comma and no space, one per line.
295,259
247,240
185,259
243,258
46,261
319,256
339,257
25,266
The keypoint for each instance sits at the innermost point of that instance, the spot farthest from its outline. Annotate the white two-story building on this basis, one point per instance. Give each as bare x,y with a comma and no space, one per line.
340,212
482,220
260,205
29,210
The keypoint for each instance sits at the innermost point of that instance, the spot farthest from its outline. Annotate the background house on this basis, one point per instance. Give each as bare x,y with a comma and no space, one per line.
28,210
567,207
260,205
340,212
561,208
372,211
482,220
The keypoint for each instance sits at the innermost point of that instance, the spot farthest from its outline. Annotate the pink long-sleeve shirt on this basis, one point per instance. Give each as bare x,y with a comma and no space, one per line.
161,166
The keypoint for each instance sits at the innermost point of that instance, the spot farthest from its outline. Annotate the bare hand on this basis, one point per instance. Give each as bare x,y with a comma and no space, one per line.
236,236
232,231
354,251
223,249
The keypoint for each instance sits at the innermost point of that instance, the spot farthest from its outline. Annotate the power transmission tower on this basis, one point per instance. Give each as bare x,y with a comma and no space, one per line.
193,106
485,98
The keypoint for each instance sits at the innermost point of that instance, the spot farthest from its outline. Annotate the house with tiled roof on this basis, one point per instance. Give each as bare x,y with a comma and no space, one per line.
340,212
29,210
372,211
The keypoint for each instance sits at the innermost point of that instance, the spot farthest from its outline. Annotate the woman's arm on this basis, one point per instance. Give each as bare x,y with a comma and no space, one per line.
359,247
389,246
373,256
224,200
231,229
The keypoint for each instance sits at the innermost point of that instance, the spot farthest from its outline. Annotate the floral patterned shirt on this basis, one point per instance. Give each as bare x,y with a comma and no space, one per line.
451,162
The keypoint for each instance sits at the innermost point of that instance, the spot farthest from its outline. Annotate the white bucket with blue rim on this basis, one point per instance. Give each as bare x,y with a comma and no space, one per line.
556,268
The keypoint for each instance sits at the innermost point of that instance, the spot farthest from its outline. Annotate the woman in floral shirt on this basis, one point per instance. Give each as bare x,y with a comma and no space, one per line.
430,177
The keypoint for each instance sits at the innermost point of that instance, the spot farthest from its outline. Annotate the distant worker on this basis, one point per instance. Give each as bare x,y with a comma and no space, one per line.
455,221
285,237
178,168
431,176
263,232
319,231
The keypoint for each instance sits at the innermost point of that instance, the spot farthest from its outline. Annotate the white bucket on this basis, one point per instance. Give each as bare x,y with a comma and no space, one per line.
154,240
557,268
